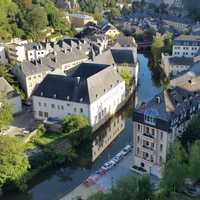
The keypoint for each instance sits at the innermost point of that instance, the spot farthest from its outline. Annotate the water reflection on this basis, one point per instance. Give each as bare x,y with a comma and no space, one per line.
107,134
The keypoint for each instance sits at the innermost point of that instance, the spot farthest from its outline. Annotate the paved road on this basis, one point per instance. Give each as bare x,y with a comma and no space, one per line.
104,183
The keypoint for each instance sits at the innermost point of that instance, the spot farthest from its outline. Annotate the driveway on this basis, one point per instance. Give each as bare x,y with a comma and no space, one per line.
23,123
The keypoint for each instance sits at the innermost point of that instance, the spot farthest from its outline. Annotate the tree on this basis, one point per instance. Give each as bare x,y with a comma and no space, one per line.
168,43
174,171
191,134
156,50
194,161
77,129
115,12
5,113
145,189
126,75
38,21
14,162
128,188
4,72
125,189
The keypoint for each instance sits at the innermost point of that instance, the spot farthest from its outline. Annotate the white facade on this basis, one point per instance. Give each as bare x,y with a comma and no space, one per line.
184,50
17,52
94,112
3,59
35,54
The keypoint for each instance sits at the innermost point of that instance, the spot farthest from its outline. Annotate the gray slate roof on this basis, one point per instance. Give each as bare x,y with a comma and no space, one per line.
49,63
85,84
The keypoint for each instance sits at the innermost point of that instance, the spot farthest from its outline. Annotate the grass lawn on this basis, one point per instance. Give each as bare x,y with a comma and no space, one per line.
44,140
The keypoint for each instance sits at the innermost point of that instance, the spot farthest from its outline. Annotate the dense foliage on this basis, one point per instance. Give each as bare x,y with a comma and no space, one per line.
128,188
30,19
14,162
5,113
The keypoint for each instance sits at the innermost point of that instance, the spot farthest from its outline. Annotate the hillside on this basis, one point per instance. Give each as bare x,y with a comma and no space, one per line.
30,19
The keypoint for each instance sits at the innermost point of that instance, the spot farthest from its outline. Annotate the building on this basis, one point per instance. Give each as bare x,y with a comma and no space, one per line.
110,31
67,4
121,57
160,121
31,73
3,58
186,45
173,66
16,52
85,91
79,20
177,23
12,96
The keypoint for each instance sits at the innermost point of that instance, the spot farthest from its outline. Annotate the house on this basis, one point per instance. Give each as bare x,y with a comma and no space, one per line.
177,23
31,73
186,45
120,57
16,52
86,91
160,121
67,4
80,20
3,59
173,65
12,96
110,31
196,29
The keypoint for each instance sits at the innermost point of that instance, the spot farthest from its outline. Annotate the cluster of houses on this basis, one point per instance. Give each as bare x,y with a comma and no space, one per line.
74,76
160,121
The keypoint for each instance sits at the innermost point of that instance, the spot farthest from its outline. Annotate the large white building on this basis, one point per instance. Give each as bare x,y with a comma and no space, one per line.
86,91
186,46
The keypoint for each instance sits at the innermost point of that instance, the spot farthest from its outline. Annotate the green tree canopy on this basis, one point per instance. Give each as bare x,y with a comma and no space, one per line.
194,161
5,113
77,128
156,50
174,171
14,162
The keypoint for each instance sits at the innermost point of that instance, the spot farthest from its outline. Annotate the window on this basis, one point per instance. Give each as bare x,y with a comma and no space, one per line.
160,159
52,105
68,104
46,114
138,127
45,104
161,135
39,103
62,107
138,139
74,109
81,110
161,147
58,107
40,113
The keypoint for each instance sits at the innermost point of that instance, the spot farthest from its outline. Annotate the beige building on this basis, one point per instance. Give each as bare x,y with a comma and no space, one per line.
160,121
31,73
80,20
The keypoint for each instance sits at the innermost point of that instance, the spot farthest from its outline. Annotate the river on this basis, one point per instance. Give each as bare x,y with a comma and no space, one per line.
109,140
